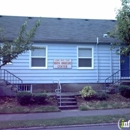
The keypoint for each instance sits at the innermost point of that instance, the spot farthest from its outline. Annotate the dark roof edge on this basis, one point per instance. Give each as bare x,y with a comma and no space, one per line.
40,41
60,18
69,42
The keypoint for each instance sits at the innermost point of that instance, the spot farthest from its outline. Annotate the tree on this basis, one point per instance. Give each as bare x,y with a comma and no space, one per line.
10,50
122,29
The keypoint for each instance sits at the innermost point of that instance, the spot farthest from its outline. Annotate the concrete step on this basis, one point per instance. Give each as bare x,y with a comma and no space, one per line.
2,82
14,89
67,99
9,86
67,103
69,94
107,91
110,90
66,96
125,80
68,107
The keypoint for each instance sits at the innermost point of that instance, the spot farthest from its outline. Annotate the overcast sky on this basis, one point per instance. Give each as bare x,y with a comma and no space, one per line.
93,9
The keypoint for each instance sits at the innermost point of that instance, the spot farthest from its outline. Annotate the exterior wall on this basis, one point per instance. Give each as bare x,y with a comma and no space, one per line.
106,62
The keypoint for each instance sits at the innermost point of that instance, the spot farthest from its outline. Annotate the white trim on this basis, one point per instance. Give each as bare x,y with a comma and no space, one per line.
46,57
88,47
97,63
111,64
125,78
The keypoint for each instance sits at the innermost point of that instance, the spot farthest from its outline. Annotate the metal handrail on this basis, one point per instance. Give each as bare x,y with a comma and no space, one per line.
115,78
9,77
58,90
111,75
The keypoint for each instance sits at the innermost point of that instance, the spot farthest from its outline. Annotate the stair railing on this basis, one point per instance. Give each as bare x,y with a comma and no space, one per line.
117,77
9,77
114,78
58,90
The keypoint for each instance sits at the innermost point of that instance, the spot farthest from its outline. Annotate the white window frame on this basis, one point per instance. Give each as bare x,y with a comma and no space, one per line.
46,57
87,47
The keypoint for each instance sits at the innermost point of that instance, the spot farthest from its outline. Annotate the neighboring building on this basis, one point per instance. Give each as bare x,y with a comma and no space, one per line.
81,46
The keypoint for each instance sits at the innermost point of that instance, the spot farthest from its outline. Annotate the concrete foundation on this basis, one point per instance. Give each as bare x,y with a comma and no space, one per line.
38,88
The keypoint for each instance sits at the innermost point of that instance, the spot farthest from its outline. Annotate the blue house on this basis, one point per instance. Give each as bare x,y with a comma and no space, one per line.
74,51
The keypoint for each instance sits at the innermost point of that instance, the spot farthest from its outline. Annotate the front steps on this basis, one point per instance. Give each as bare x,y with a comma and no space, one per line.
68,101
6,89
113,88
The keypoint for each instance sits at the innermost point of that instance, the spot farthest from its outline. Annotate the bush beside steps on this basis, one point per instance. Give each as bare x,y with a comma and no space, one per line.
26,98
89,94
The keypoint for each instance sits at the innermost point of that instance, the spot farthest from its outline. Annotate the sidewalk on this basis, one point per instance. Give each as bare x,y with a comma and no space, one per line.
62,114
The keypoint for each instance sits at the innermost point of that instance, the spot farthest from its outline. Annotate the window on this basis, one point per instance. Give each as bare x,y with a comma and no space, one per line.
39,58
85,58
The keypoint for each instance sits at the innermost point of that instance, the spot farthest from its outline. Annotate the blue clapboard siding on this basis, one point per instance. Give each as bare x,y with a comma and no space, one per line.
105,63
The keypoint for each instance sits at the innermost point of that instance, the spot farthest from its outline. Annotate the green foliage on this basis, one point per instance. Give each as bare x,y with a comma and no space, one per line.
101,96
88,93
124,90
10,50
83,107
39,98
24,98
122,29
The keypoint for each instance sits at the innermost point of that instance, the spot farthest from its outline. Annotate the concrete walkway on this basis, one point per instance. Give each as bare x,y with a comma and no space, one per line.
62,114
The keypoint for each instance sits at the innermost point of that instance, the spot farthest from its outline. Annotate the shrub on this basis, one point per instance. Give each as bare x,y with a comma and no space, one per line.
124,90
101,96
24,98
39,98
88,93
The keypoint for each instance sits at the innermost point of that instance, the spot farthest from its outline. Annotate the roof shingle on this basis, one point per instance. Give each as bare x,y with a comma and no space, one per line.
60,30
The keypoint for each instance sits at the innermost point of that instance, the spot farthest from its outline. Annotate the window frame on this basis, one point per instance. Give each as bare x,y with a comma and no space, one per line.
92,58
46,57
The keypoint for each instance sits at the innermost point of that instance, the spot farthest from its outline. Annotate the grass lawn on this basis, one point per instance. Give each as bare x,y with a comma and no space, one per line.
114,101
63,121
10,105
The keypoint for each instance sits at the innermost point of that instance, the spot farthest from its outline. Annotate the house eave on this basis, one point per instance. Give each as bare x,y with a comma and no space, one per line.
63,41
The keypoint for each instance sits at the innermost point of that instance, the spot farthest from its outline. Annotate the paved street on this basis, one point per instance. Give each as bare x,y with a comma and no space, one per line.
105,127
113,127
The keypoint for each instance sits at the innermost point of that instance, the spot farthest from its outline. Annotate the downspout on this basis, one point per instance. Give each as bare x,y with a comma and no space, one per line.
97,60
111,66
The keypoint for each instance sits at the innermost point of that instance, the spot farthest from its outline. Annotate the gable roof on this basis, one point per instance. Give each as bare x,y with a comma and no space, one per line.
60,29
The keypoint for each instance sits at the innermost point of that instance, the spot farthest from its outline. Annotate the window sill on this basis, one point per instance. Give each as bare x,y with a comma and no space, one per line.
38,68
85,68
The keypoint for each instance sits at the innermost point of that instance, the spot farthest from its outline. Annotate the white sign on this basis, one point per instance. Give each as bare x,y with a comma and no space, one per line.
60,63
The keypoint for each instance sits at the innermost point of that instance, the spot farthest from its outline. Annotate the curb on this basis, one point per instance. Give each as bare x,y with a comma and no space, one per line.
64,126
